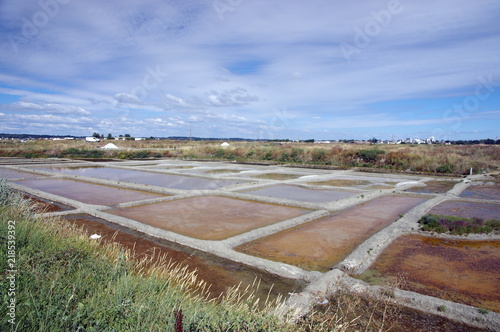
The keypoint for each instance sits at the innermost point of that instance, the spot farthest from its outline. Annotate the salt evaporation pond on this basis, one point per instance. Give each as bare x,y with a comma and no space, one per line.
467,210
300,193
320,244
142,177
463,271
219,273
209,217
11,174
483,191
87,192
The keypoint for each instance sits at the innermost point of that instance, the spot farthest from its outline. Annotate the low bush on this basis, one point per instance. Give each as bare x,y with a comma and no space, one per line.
457,225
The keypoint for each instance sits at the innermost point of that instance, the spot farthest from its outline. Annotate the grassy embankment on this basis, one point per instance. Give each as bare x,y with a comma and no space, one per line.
65,281
438,159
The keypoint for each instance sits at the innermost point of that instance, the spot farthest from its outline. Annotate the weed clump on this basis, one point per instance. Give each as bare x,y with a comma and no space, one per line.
458,225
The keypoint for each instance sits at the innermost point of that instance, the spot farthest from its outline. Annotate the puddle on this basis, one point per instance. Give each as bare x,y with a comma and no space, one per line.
320,244
209,217
86,192
301,194
277,176
467,210
219,273
461,271
433,187
362,183
11,174
141,177
482,191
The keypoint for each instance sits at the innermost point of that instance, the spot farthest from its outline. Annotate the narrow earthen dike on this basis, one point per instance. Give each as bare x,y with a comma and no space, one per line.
244,227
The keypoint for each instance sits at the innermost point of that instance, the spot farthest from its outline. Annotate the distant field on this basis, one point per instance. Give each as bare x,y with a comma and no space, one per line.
437,159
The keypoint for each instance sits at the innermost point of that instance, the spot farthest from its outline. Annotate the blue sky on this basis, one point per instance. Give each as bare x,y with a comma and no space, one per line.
252,69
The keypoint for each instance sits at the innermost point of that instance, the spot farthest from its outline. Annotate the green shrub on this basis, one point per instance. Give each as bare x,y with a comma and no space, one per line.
369,156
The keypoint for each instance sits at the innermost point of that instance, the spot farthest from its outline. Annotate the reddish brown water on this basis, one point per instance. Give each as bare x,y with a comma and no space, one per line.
434,187
461,271
142,177
219,273
320,244
11,174
484,191
301,194
88,193
209,217
467,210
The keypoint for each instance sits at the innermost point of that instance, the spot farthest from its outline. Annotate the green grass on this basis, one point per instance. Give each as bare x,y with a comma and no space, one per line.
67,282
458,225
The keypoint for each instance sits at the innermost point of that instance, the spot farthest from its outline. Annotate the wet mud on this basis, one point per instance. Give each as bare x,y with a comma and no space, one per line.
209,217
320,244
463,271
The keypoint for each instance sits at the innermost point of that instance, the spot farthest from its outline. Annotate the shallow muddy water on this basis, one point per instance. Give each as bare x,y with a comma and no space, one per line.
219,273
209,217
483,191
467,210
87,192
462,271
300,194
142,177
277,176
358,183
433,187
320,244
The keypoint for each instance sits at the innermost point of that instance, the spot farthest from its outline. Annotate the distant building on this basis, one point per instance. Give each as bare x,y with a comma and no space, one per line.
92,139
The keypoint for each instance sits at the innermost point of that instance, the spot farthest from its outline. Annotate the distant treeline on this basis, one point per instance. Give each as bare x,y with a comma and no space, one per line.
238,139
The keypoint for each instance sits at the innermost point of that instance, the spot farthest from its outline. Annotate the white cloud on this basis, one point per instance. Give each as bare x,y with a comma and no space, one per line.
92,58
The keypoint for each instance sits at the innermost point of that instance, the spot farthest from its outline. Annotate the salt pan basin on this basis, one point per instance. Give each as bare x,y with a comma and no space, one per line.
301,194
463,271
320,244
86,192
142,177
11,174
467,210
209,217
